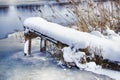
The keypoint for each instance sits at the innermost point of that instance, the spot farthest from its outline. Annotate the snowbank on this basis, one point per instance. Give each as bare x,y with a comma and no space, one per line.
110,48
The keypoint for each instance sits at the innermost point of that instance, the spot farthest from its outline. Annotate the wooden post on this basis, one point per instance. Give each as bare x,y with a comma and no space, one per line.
43,44
27,46
59,45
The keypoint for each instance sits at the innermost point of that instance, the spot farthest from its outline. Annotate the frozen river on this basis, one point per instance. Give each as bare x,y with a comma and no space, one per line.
40,66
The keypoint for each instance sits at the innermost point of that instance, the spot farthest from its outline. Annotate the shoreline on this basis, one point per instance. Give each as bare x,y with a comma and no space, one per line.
31,3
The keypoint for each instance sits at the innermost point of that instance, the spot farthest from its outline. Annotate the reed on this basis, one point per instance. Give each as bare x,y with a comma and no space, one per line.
90,15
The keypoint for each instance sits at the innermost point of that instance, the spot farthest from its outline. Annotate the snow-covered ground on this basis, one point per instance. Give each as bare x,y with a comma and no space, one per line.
41,66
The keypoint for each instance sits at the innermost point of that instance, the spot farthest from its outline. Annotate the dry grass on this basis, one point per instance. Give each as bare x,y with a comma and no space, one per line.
91,15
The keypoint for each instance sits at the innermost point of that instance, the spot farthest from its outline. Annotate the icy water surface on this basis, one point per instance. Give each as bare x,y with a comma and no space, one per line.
13,16
40,66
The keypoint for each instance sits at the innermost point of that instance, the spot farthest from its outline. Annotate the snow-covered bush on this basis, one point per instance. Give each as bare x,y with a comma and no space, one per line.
81,56
72,55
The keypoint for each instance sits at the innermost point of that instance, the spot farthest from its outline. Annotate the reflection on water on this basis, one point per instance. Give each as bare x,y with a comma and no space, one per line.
9,16
8,21
4,10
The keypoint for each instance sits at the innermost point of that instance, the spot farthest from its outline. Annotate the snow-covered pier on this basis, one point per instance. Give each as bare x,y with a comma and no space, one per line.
102,47
62,36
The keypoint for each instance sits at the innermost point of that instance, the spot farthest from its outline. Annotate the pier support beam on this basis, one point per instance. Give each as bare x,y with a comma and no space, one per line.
27,45
59,45
43,44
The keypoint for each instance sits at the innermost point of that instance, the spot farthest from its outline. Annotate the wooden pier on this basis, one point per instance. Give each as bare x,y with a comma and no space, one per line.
44,40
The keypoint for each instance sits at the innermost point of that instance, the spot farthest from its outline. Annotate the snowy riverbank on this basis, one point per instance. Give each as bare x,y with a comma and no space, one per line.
40,66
